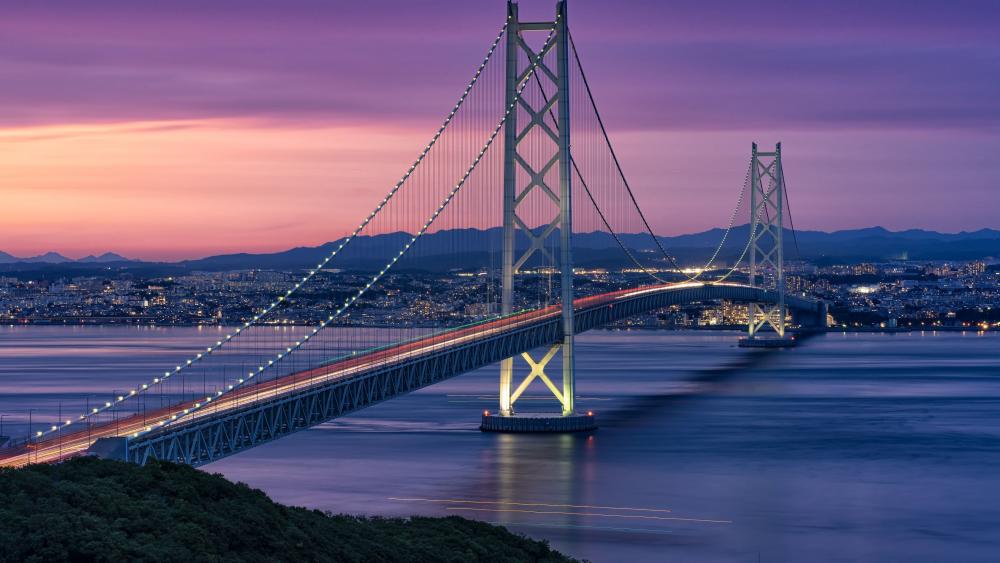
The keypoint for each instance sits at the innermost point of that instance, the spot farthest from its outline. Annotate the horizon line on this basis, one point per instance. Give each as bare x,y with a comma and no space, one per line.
97,255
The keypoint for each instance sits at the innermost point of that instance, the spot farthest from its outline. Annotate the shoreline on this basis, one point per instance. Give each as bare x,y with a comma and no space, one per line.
101,322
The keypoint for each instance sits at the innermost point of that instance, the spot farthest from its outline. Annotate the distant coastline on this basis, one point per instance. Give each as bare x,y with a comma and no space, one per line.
97,322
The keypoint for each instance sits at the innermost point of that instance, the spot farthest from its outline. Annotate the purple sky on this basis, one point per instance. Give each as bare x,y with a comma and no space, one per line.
889,111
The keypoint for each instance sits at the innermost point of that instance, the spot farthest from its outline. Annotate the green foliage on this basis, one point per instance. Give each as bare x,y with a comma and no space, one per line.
93,510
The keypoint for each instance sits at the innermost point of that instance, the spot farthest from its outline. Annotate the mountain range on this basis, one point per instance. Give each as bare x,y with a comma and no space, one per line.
56,258
464,248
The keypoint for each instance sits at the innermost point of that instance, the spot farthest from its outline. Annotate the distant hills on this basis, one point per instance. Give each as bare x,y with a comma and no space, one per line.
869,244
465,248
56,258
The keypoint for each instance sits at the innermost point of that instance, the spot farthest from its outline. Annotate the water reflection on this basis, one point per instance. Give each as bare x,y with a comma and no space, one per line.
857,447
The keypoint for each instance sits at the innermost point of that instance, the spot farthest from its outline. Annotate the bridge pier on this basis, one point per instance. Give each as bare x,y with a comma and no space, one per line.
776,342
539,423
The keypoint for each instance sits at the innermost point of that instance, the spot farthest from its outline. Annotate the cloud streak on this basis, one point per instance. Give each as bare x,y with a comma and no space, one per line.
683,65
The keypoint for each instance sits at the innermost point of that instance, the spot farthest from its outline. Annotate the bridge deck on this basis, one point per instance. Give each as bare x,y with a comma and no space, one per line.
254,414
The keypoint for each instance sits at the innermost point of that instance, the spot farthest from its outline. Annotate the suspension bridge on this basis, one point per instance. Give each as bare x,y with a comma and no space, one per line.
497,203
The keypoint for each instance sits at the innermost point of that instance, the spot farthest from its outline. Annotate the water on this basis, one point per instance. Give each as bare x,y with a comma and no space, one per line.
857,447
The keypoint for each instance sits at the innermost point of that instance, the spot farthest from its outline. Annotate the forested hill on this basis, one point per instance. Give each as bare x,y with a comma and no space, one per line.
93,510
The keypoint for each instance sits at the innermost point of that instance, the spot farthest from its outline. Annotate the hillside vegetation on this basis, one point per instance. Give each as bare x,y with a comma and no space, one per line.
94,510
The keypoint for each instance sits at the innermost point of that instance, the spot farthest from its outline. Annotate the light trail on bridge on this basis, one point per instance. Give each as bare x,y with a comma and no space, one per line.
56,448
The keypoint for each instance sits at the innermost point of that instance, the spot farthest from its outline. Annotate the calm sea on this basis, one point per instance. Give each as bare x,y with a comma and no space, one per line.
852,447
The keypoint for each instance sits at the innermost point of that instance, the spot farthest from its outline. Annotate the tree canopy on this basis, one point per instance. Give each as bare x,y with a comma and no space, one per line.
88,509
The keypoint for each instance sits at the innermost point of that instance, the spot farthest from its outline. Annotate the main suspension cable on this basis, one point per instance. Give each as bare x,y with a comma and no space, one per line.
631,194
351,300
604,220
614,156
141,389
631,256
788,206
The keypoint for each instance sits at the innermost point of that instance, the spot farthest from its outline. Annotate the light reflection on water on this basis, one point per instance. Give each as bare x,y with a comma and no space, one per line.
857,447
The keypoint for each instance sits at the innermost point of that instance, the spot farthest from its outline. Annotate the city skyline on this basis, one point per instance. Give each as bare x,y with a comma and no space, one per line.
177,131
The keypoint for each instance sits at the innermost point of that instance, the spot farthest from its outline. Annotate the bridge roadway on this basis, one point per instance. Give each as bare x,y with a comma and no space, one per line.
259,413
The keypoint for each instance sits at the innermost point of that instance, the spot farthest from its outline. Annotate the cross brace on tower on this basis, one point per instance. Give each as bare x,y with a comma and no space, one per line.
767,264
518,165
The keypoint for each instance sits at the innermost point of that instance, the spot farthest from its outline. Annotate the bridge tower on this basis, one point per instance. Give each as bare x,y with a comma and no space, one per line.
522,176
767,264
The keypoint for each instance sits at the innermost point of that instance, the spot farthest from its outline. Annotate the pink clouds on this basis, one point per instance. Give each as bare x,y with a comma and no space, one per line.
117,119
177,190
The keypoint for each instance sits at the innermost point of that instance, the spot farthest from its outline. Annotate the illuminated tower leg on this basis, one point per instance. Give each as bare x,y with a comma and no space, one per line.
509,199
518,164
566,212
767,264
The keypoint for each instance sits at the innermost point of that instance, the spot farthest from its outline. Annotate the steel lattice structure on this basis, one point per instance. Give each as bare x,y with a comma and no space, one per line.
201,442
556,105
767,261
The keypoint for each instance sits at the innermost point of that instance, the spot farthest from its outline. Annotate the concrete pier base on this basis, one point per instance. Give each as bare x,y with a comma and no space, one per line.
538,422
767,342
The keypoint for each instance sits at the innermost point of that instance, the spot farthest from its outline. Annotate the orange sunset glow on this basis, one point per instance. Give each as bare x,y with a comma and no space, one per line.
167,190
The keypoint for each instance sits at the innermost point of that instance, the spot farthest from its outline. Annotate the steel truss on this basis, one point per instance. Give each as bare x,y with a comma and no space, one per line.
203,441
558,105
198,443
